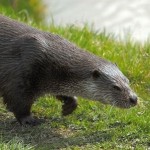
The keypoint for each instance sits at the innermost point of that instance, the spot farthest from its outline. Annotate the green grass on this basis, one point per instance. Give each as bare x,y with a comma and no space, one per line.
92,126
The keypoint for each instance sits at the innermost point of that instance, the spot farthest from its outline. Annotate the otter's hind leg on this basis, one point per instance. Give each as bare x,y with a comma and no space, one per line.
20,104
69,104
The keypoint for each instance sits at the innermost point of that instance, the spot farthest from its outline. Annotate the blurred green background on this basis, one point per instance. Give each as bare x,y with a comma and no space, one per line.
33,9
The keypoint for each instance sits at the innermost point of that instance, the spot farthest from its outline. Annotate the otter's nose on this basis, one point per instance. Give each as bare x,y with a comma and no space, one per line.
133,99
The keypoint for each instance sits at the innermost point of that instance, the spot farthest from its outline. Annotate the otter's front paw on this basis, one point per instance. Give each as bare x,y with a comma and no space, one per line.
69,106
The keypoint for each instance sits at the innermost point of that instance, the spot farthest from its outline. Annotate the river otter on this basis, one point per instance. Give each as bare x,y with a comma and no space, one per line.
33,62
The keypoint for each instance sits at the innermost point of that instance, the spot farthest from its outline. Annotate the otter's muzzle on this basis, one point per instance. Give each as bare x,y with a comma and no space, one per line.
133,99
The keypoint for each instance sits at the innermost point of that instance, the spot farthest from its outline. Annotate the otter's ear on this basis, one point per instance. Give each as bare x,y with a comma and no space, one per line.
96,74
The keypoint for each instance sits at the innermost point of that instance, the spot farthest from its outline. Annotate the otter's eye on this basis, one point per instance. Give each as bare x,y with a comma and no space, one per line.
117,88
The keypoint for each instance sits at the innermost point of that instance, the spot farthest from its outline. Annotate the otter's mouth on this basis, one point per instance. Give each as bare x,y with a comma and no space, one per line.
125,105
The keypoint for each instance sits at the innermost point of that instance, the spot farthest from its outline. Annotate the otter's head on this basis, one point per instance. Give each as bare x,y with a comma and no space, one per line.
108,85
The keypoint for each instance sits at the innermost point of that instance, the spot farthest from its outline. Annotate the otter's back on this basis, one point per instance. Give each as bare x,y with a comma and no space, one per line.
10,30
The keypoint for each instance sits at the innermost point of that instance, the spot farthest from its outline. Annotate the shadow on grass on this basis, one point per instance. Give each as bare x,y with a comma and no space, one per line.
46,137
